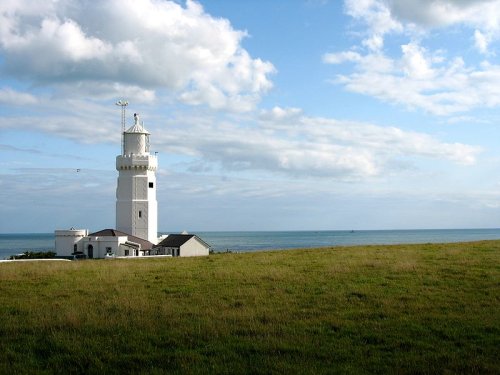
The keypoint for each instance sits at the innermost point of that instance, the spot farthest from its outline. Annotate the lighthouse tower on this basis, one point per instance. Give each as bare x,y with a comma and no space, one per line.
136,205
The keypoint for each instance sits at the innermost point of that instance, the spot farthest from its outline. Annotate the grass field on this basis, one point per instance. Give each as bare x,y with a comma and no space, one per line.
432,308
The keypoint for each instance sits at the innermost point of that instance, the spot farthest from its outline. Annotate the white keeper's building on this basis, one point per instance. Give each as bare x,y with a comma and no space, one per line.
136,230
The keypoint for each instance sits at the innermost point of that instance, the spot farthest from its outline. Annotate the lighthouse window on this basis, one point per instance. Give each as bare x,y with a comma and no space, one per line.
140,213
151,184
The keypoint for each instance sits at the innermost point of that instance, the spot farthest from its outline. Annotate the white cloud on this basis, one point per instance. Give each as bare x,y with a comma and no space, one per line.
67,40
287,142
105,91
395,16
378,18
481,41
280,114
282,141
15,98
438,88
341,57
148,44
439,13
415,63
421,77
79,120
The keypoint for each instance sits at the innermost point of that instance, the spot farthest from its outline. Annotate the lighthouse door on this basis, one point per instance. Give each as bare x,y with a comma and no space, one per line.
90,251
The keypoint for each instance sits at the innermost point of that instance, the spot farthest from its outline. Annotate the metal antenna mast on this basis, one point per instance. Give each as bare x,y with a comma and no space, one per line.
123,104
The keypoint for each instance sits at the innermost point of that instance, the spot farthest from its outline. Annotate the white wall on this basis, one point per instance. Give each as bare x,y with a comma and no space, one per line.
100,244
134,195
193,248
65,240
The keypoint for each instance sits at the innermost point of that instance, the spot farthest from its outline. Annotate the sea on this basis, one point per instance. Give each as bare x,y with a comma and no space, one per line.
15,243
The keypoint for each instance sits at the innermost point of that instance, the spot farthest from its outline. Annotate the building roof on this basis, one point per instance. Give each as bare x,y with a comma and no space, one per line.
137,127
177,240
145,244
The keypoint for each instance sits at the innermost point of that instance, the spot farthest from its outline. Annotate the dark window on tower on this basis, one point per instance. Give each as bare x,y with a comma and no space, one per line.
140,213
151,185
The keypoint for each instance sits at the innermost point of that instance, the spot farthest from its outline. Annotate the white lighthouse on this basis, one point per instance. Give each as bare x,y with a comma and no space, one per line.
136,233
136,205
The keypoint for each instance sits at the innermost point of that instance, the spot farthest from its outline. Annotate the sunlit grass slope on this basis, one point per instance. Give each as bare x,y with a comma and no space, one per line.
431,308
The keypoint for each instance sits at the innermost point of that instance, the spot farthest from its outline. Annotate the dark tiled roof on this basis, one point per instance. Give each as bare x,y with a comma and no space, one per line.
145,244
175,240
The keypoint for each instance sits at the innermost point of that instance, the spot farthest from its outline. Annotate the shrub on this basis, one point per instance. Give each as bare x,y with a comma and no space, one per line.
34,255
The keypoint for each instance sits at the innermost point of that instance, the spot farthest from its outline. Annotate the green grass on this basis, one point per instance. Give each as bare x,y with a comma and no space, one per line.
432,308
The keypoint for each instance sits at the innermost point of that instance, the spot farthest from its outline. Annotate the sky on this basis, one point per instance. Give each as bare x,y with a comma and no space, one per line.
266,115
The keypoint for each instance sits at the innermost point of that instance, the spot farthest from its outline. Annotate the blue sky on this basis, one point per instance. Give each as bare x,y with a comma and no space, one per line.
266,115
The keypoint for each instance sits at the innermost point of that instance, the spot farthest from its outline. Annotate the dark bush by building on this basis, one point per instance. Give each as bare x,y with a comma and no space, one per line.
34,255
